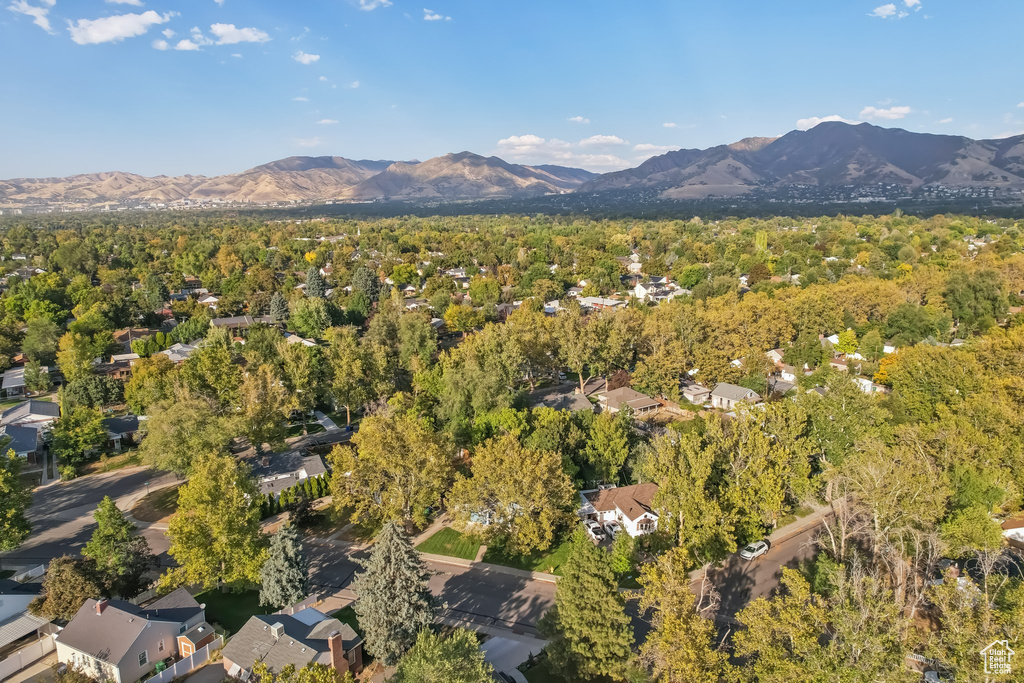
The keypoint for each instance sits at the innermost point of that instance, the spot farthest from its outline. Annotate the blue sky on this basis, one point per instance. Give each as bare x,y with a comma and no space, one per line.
218,86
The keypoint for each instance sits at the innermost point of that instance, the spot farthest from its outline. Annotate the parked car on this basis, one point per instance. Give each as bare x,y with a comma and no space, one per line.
595,531
612,528
755,550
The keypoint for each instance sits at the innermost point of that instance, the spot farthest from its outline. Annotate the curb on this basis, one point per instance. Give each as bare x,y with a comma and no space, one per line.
487,566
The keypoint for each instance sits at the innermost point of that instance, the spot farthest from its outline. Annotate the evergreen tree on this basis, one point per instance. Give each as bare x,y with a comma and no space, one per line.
69,581
121,556
434,659
15,498
365,280
284,577
278,308
393,603
316,288
588,629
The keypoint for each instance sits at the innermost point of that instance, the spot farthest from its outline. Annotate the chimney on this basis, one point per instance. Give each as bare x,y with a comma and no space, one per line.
277,630
101,605
337,647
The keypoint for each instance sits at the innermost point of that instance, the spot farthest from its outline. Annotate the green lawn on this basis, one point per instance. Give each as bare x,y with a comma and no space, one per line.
231,610
311,428
550,561
451,543
347,615
111,463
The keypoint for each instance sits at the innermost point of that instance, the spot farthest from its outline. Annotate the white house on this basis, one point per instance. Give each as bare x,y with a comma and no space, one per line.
696,394
16,621
727,396
630,506
615,400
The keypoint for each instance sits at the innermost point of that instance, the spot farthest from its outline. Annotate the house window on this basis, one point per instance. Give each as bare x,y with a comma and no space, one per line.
182,629
143,658
160,646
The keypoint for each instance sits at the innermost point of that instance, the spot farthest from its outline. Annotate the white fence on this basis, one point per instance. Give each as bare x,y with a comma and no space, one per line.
29,574
25,656
185,665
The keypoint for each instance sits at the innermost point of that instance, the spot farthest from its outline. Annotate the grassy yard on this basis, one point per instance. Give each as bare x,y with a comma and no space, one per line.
231,610
157,505
311,428
347,615
451,543
111,463
549,561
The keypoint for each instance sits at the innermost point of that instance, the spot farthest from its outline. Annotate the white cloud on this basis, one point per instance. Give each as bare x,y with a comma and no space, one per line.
186,45
115,28
668,124
945,121
326,122
308,142
812,121
537,150
323,79
160,44
579,119
229,34
38,14
654,149
136,3
168,33
599,140
303,58
236,55
913,4
1020,106
300,99
370,5
884,11
354,84
890,114
220,3
430,15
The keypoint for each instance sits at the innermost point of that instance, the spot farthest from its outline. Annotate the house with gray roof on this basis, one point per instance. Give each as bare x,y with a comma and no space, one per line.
12,381
26,442
307,637
179,353
122,642
726,396
16,622
122,430
278,472
31,413
624,397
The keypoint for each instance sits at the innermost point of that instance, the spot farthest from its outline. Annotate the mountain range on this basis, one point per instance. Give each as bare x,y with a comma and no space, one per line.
830,155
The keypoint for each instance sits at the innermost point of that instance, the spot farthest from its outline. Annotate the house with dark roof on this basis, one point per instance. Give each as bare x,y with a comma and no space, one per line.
631,506
727,396
26,442
122,642
560,398
306,637
278,472
122,430
33,413
617,399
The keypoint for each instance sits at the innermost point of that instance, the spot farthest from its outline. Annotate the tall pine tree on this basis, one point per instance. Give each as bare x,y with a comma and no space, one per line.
278,308
393,602
284,578
588,629
315,285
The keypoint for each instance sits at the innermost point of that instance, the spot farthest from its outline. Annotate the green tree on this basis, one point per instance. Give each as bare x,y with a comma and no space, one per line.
15,498
152,381
977,300
871,346
462,318
366,281
455,658
41,338
69,581
265,405
608,447
310,317
393,603
523,494
348,369
284,577
211,370
681,646
588,630
37,378
215,533
398,469
178,432
417,341
78,433
484,291
75,356
121,556
405,274
316,288
278,308
623,555
847,342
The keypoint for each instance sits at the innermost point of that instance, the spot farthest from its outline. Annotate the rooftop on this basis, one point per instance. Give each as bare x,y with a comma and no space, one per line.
633,501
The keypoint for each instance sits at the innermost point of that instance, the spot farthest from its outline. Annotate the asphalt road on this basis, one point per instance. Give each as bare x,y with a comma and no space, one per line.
740,581
61,514
477,593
